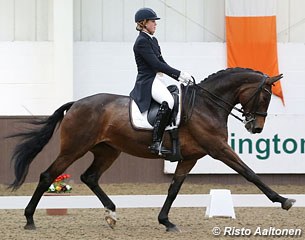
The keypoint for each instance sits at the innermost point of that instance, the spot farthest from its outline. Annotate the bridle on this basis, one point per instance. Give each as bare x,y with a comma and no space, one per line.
250,115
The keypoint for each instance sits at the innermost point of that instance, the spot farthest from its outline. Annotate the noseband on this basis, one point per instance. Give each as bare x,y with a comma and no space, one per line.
249,115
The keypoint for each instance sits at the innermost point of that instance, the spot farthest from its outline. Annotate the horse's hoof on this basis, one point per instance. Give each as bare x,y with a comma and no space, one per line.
173,229
288,203
111,222
30,227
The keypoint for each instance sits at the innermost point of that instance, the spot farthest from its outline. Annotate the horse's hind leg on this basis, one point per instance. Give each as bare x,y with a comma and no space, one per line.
104,156
183,168
61,163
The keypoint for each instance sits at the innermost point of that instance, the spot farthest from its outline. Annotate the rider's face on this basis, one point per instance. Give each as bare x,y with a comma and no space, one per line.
151,26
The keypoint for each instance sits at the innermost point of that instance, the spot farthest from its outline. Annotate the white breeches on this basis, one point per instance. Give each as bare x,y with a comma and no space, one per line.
160,93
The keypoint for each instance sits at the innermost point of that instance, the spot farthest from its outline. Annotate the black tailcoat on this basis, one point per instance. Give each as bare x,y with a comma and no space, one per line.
149,62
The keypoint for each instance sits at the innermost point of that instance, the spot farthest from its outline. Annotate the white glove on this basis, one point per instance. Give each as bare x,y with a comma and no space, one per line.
185,78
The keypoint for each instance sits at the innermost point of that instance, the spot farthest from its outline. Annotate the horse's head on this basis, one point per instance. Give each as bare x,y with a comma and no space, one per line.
255,103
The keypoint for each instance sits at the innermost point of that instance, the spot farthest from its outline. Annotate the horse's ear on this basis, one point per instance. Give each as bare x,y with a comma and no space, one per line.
274,79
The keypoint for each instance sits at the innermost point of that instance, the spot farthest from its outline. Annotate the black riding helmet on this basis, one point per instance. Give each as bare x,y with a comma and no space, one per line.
145,14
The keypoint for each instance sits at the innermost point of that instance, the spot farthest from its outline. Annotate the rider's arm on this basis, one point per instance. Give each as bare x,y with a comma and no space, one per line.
144,49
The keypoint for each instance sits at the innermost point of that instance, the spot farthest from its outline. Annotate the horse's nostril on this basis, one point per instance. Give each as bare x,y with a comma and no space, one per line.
257,130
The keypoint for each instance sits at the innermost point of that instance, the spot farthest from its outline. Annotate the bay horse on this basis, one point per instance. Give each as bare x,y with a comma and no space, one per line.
101,124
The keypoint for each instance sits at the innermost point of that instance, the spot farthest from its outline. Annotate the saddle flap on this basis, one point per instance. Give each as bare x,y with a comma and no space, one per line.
140,120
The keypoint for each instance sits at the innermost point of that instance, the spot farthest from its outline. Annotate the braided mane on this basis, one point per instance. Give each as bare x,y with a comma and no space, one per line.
221,73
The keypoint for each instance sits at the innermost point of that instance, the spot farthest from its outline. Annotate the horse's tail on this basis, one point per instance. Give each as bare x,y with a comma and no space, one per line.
33,142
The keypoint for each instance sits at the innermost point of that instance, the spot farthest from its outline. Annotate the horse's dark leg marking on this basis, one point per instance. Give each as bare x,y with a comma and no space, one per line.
46,179
44,182
183,168
104,156
231,159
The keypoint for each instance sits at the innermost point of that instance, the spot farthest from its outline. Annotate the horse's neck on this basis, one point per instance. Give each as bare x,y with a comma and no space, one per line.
227,91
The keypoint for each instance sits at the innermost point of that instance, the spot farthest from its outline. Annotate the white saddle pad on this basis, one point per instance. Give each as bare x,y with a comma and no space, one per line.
139,120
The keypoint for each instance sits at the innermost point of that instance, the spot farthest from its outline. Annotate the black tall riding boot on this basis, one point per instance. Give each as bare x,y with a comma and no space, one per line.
160,124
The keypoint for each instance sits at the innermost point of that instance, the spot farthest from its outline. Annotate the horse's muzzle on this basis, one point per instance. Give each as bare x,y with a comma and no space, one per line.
257,130
252,128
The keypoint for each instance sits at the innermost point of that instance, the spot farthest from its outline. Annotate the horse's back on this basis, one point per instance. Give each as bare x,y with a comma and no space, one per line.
103,98
103,101
94,108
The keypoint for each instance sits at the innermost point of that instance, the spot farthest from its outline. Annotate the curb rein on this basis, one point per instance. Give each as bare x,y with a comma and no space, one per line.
249,116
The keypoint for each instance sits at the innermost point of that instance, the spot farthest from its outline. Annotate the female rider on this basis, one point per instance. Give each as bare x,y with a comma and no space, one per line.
149,84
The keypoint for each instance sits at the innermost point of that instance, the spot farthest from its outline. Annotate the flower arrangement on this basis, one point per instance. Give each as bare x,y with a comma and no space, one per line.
59,185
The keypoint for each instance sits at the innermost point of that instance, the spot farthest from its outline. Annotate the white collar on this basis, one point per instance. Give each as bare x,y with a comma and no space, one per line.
151,36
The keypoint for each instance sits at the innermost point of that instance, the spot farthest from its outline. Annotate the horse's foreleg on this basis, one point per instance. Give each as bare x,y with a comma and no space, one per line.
182,170
232,160
104,156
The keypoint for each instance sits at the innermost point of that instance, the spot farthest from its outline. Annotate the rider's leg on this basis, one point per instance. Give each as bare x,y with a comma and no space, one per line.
161,94
160,124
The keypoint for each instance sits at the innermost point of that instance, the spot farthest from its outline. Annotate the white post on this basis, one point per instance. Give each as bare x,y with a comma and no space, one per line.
221,204
63,50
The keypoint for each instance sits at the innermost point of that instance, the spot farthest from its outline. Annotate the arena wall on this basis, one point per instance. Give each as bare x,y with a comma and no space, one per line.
126,169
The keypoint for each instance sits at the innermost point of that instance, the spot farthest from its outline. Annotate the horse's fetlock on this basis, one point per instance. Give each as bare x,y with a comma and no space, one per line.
110,207
111,213
163,219
28,212
274,197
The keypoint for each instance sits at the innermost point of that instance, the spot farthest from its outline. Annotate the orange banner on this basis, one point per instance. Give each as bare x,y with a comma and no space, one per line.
252,43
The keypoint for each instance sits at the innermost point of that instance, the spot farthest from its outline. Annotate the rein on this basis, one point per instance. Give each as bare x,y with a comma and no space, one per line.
252,113
190,103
